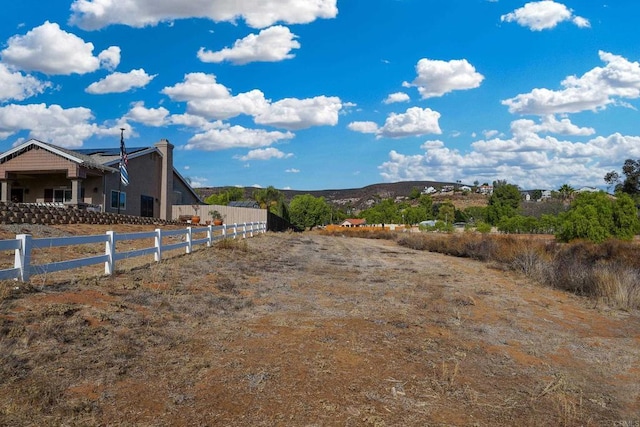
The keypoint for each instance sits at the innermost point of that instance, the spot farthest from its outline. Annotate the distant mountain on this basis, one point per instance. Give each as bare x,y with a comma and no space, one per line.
359,198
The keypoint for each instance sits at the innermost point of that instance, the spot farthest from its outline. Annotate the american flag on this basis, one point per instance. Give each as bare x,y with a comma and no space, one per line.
124,175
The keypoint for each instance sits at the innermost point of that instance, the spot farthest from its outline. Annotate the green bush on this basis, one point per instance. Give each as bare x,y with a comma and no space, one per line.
597,217
483,227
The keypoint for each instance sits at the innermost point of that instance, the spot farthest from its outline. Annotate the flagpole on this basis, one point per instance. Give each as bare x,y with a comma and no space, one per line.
120,169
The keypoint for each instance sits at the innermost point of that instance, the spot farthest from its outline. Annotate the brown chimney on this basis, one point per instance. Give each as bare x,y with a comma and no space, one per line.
166,180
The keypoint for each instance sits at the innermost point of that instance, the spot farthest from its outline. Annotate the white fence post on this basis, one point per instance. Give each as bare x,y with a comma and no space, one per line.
110,252
189,240
209,235
158,242
23,256
25,242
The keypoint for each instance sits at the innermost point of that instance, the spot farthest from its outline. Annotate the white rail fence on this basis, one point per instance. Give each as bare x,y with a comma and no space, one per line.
23,244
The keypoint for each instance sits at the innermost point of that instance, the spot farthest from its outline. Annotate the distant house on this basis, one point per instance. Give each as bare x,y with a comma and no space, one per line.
485,189
447,189
429,190
353,222
39,172
465,188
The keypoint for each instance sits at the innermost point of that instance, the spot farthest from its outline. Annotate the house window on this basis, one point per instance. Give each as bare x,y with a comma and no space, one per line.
114,200
58,195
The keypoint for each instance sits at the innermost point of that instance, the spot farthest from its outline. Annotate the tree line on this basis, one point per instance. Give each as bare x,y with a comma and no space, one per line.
595,216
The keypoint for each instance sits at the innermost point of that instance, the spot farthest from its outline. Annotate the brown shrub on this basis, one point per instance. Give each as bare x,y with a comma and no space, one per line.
609,271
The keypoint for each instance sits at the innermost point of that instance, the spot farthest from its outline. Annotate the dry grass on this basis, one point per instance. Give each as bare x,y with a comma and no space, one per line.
609,271
302,329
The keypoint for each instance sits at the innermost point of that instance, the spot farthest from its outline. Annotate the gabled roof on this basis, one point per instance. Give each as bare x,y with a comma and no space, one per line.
95,158
111,156
72,155
355,221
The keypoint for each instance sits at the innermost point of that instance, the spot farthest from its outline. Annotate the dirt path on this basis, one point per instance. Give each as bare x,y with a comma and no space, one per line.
313,330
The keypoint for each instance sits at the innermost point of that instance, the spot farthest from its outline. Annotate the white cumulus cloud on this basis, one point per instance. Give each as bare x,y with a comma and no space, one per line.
51,50
208,98
436,78
264,154
235,137
270,45
397,97
594,90
149,116
295,114
17,86
95,14
526,158
68,127
415,121
120,82
110,58
363,127
544,15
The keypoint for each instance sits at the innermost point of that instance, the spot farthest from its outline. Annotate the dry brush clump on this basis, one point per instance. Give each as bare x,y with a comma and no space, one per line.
364,232
609,271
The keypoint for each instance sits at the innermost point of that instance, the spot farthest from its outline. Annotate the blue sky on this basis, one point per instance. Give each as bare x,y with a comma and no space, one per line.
325,94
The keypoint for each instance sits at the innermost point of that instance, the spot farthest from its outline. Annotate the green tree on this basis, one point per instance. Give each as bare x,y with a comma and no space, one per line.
597,216
269,198
384,212
625,217
223,197
549,224
631,183
306,211
446,212
475,214
415,193
504,202
519,224
536,194
414,214
425,202
566,191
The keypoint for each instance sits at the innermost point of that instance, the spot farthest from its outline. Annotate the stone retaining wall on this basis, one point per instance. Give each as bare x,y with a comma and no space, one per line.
25,213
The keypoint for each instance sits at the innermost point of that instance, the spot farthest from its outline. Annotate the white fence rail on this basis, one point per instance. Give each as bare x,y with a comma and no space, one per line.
23,244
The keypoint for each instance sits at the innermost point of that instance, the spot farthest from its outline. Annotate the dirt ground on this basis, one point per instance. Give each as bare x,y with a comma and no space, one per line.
311,330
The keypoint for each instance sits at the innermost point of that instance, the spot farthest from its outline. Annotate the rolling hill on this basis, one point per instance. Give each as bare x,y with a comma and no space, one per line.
362,198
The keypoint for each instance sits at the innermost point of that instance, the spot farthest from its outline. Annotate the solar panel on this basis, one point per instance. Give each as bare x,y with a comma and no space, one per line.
114,151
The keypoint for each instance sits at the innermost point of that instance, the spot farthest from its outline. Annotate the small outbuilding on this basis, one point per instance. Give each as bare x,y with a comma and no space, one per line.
353,222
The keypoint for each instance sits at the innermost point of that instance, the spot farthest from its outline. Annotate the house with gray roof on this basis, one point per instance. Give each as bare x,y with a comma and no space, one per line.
39,172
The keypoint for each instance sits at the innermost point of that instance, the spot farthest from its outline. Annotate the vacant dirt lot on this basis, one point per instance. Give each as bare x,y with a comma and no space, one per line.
311,330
